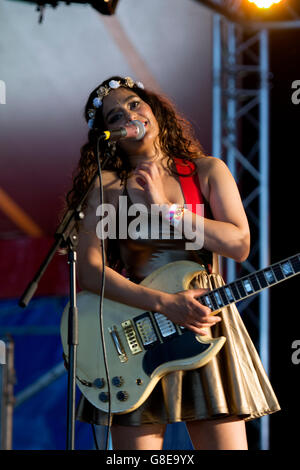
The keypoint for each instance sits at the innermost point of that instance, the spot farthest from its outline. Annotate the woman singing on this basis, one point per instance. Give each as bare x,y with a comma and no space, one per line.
216,399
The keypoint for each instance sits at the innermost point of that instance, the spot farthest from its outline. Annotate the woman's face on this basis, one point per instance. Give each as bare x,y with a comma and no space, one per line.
122,106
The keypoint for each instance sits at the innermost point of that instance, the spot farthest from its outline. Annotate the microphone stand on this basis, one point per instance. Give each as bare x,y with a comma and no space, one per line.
66,237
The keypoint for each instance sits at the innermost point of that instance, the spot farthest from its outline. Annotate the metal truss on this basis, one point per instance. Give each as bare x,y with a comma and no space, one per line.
237,107
236,11
241,83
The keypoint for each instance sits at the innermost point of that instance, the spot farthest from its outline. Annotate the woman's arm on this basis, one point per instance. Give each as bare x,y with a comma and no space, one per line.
228,234
117,287
181,308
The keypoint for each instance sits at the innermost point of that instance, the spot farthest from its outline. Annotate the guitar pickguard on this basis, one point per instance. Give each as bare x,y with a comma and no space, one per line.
176,349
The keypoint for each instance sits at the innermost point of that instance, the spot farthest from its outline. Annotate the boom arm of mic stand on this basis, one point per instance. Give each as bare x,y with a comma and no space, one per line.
65,236
65,231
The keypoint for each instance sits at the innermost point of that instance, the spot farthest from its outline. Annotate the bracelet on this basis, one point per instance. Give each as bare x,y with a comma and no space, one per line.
175,214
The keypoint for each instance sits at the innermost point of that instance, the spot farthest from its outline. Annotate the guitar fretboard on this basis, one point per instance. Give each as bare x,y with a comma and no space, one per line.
251,284
154,328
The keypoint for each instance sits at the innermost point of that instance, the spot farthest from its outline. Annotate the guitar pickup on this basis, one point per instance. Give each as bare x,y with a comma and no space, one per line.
131,337
146,330
166,327
118,344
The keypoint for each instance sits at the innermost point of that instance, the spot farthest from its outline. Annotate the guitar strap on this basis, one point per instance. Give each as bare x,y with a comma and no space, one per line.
190,185
193,195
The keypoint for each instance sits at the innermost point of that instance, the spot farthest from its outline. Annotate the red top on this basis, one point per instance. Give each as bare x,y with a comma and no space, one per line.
191,186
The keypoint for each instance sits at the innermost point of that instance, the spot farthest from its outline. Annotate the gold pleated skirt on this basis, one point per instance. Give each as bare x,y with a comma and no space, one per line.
233,383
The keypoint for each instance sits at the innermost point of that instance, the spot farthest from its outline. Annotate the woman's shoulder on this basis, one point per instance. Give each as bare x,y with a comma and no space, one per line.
208,164
111,184
109,178
208,169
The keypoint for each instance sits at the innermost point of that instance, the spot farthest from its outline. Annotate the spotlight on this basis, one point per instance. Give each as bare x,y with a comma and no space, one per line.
264,3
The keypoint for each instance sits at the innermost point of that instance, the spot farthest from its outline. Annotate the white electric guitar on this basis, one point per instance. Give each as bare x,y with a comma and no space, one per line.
141,347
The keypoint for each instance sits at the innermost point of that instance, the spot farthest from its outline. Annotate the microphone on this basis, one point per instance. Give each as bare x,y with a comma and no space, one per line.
136,131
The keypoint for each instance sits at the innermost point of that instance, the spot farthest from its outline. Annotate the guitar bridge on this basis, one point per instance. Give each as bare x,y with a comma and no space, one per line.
131,337
118,344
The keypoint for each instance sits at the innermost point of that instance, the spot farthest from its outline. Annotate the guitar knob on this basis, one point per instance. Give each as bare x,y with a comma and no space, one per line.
122,396
103,396
117,381
99,383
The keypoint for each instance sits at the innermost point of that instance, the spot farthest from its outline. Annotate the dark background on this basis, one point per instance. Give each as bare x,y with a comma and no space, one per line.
284,179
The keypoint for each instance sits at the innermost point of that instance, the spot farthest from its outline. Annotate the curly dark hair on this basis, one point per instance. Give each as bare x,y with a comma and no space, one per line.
176,140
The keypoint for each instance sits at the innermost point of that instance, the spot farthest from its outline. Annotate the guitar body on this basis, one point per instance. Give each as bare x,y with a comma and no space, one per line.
141,347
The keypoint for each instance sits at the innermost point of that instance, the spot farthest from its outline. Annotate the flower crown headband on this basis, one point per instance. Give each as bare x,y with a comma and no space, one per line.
104,90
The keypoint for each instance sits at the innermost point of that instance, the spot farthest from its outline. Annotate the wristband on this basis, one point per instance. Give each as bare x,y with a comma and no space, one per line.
175,214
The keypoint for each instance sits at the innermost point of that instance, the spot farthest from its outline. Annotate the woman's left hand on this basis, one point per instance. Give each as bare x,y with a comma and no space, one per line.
149,178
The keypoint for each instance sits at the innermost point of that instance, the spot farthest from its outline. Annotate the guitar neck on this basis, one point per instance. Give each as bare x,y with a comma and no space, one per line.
251,284
155,328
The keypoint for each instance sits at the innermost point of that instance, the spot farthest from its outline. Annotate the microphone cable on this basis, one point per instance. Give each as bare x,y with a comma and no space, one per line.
101,309
141,132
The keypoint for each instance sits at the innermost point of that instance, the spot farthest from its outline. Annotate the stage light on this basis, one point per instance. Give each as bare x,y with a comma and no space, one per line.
264,3
106,7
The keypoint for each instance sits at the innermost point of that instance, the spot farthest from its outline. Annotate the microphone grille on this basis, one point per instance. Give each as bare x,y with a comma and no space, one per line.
141,130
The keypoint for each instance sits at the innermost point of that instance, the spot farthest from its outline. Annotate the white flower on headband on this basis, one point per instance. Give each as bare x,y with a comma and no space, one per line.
97,102
114,84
